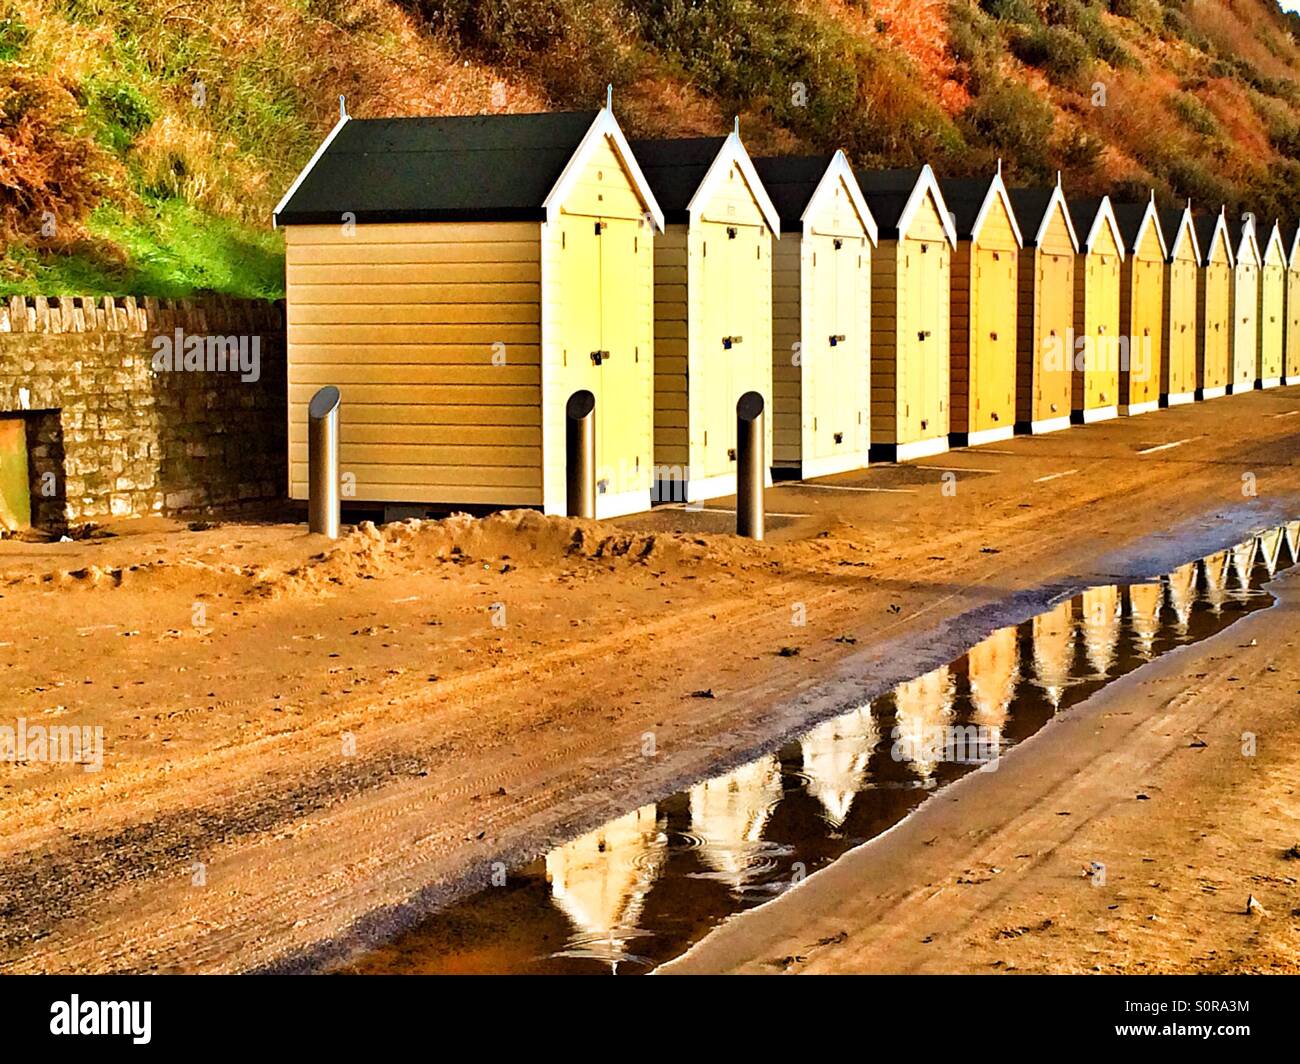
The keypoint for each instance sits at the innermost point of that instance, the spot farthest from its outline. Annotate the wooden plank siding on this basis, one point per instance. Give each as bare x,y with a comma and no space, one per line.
1244,345
1214,320
1096,325
1178,345
1045,325
787,351
671,349
1272,315
406,320
1291,368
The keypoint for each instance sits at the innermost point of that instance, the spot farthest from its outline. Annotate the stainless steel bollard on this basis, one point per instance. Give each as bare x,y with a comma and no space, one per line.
580,454
751,466
323,462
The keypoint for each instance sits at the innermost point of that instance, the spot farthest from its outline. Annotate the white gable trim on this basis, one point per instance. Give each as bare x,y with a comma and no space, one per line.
1274,236
1249,238
732,153
840,170
1186,227
1220,232
1105,214
1293,258
926,182
997,191
1151,217
275,214
1057,200
604,125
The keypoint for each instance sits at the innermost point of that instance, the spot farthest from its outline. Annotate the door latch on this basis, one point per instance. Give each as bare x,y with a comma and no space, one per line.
597,357
838,338
839,437
730,341
731,454
923,334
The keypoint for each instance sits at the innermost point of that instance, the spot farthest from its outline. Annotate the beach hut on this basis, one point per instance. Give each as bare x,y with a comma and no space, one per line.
1244,337
1178,346
713,308
459,279
1141,306
1291,361
982,318
821,315
1272,308
1213,306
910,274
1045,309
1096,354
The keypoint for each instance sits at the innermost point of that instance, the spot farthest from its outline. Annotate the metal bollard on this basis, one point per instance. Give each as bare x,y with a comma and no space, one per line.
580,454
751,465
323,462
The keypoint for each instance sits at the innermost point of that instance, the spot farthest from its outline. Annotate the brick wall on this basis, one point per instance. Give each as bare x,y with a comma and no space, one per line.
111,435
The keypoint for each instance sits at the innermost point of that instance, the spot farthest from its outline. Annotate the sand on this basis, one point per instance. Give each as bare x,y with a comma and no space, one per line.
309,744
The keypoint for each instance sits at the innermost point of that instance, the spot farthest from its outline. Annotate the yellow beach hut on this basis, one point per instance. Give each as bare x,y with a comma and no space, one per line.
1272,308
1178,348
713,308
1045,309
821,315
1244,346
1213,306
982,319
910,274
1141,306
1291,362
1096,353
459,279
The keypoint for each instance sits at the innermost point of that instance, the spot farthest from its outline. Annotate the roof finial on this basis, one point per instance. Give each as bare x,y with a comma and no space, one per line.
1189,203
1058,178
999,166
1153,196
737,127
343,106
609,97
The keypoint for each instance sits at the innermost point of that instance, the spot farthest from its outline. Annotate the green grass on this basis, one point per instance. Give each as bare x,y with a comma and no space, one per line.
171,250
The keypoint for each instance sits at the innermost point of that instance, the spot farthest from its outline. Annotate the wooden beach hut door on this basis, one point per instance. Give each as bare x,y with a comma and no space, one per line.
832,375
600,355
993,380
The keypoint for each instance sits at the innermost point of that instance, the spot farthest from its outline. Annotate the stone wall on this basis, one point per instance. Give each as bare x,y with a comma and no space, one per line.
127,416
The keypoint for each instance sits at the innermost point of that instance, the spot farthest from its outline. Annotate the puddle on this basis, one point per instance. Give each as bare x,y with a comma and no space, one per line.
644,887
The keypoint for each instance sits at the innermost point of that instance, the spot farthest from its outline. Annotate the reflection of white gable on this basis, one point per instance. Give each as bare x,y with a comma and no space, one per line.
1054,650
1293,527
1270,548
1100,625
1182,593
1217,566
728,815
1144,602
993,668
921,706
1243,559
835,757
600,880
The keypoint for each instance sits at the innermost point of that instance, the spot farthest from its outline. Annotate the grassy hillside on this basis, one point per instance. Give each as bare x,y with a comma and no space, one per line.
143,143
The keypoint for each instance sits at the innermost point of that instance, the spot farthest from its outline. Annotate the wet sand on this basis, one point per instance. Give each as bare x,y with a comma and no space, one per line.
1153,779
354,734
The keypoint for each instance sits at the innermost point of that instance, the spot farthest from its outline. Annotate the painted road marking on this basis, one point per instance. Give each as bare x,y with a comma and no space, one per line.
1167,446
1286,413
981,450
1055,476
855,487
710,510
958,469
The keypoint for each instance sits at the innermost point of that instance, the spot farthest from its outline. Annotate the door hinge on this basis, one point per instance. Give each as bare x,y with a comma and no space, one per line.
837,339
599,227
730,341
597,357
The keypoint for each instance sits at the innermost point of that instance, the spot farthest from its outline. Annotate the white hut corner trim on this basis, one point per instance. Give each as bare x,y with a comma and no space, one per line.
1293,257
604,125
840,170
997,191
1106,215
344,118
927,182
732,153
1057,200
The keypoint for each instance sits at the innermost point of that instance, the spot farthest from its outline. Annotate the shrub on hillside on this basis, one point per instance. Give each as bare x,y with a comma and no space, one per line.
1014,121
49,166
1059,52
974,42
1194,114
1084,20
1019,11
